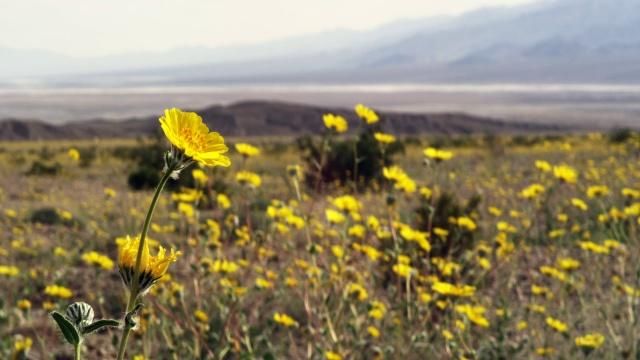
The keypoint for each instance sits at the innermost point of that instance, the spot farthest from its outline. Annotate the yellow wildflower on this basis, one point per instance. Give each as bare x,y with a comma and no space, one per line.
247,177
367,114
557,325
384,138
335,122
579,204
74,154
284,319
565,173
437,155
590,341
191,141
597,190
58,291
453,290
374,332
93,258
247,150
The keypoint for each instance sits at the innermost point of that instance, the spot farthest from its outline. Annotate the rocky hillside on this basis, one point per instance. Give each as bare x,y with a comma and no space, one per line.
258,118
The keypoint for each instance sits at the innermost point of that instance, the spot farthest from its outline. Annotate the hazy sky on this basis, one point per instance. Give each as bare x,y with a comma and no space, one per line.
99,27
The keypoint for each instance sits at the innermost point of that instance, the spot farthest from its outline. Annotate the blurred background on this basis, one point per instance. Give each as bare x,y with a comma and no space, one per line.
550,61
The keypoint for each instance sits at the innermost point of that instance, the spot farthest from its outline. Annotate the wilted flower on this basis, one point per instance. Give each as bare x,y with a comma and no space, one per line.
152,268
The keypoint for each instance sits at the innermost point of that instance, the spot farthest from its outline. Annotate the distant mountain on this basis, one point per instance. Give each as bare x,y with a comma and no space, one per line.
259,118
587,41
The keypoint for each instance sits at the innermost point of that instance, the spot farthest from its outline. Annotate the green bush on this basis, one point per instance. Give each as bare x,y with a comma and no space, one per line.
444,207
39,168
340,159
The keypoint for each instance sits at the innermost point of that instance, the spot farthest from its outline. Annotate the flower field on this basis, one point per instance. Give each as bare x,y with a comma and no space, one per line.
471,248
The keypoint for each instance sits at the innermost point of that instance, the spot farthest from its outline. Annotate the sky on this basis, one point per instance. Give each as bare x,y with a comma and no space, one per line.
107,27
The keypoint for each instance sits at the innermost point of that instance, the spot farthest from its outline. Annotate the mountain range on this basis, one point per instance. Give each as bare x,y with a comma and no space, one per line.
263,118
549,41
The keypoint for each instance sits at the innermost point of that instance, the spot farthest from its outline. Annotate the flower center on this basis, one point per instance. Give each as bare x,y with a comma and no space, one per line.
191,140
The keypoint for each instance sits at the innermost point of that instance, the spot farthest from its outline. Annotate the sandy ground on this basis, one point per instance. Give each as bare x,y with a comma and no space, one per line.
601,106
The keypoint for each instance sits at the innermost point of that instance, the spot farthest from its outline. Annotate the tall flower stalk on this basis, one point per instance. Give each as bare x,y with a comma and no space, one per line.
191,142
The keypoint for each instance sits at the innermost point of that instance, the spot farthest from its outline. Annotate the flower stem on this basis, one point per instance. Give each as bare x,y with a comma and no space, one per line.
136,277
77,351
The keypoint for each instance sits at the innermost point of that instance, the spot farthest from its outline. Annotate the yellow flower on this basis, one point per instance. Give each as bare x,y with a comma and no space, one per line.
109,192
247,177
284,319
374,332
568,264
453,290
474,313
201,316
23,345
367,114
593,247
437,155
532,191
544,351
565,173
333,356
579,204
543,165
402,270
93,258
628,192
347,203
24,304
597,190
557,325
74,154
335,217
191,141
384,138
360,292
199,176
337,123
247,150
467,223
59,291
223,201
590,341
152,268
9,270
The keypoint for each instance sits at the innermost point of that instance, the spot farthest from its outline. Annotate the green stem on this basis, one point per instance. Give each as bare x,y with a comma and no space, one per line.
136,277
78,351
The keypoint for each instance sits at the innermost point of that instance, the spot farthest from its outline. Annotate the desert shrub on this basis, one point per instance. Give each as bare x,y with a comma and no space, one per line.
39,168
51,216
619,136
446,206
144,178
340,159
87,156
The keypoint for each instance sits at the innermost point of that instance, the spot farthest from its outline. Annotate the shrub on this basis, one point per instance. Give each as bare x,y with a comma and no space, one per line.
38,168
444,207
340,159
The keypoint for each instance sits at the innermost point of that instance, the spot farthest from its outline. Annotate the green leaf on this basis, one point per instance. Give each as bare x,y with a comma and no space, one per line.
96,325
68,330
